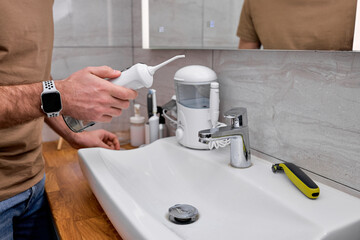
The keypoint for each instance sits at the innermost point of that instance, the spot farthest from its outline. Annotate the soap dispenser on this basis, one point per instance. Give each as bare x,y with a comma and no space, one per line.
137,128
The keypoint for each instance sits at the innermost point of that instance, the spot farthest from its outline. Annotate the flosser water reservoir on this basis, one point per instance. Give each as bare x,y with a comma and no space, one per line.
193,85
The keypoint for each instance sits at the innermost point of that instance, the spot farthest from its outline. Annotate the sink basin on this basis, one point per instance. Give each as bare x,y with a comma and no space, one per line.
137,187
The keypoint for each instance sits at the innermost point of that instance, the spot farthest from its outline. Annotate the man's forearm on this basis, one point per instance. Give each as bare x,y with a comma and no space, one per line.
85,94
20,104
60,127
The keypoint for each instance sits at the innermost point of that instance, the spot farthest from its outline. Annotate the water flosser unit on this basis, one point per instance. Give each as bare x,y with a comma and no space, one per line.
138,76
197,101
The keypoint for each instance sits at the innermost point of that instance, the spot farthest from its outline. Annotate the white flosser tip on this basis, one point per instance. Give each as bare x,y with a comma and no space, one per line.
153,69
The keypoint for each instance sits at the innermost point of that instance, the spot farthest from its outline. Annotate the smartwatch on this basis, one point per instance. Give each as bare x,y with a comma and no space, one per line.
50,99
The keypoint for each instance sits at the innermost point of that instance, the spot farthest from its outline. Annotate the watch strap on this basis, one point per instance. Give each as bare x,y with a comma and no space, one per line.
49,86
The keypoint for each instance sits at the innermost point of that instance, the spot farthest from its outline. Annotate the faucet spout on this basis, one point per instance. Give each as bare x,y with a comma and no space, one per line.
237,132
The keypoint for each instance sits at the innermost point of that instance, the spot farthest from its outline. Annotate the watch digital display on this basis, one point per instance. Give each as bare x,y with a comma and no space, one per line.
51,102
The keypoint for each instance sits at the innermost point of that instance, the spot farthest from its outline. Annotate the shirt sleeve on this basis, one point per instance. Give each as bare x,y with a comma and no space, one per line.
246,29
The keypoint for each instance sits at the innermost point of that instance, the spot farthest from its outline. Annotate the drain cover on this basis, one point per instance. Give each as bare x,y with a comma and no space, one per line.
183,214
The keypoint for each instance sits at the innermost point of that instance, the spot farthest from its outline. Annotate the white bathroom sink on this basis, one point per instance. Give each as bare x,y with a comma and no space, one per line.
137,187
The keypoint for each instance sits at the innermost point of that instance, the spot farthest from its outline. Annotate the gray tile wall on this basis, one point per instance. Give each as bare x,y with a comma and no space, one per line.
303,107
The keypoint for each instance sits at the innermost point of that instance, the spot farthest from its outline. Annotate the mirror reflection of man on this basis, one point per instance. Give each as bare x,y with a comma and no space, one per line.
297,24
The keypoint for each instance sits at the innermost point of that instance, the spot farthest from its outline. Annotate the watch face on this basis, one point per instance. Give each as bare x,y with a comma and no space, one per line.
51,102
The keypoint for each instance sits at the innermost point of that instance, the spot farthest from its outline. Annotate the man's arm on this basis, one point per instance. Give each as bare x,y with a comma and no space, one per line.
248,45
19,104
85,95
246,29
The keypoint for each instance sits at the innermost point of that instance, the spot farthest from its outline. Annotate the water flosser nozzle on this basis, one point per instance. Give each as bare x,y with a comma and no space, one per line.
153,69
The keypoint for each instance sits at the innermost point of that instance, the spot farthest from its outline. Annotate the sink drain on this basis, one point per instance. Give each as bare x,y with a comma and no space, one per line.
183,214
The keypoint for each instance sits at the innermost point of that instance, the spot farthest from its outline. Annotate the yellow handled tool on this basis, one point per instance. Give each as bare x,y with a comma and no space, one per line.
299,178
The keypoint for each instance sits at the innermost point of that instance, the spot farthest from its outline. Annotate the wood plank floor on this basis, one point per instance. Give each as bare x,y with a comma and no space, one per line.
77,213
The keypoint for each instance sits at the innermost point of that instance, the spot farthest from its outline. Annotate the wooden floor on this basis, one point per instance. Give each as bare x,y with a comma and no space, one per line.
77,213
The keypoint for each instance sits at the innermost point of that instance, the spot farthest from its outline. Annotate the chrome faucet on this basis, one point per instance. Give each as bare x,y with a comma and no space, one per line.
237,132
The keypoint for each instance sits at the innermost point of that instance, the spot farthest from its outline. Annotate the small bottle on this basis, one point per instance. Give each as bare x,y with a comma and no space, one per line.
137,128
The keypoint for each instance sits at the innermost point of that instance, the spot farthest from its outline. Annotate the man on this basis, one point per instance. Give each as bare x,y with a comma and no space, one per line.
27,98
297,25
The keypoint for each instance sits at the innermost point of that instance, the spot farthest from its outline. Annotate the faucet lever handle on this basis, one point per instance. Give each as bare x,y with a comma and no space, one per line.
238,117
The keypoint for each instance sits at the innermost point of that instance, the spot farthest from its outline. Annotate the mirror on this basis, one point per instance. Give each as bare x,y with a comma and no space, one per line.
280,24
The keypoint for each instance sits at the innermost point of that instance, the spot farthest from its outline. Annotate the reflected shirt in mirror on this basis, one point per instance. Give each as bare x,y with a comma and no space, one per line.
299,24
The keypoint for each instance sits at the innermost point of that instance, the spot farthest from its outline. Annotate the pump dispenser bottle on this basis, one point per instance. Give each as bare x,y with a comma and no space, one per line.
137,128
138,76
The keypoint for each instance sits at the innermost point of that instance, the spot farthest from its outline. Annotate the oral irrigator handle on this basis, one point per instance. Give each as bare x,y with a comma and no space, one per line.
214,103
135,77
140,75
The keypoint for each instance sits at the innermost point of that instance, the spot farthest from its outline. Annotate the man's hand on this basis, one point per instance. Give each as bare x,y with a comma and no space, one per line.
87,95
96,138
